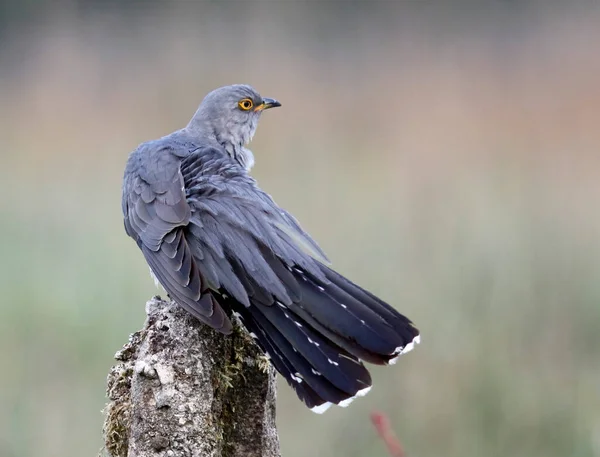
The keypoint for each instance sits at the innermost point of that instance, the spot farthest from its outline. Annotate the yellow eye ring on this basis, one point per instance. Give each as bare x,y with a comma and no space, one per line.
245,104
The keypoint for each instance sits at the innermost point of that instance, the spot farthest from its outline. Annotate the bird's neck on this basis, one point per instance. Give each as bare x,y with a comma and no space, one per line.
234,148
240,154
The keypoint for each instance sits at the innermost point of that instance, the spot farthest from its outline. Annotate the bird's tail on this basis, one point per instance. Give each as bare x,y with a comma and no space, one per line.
318,344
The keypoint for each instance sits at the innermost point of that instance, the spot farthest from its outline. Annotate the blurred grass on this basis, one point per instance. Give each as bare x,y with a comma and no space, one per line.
452,171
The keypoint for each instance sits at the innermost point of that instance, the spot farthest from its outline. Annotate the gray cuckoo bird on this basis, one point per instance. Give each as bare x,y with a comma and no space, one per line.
221,247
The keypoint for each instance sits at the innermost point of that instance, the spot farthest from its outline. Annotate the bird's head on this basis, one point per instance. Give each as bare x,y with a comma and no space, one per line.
230,115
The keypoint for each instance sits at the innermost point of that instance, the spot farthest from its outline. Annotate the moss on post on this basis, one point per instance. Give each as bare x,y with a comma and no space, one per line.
182,389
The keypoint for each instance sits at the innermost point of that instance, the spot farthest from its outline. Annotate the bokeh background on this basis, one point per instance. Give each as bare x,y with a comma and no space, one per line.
445,154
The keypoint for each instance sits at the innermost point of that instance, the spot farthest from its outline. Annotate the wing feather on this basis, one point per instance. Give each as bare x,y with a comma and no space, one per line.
157,215
237,223
206,228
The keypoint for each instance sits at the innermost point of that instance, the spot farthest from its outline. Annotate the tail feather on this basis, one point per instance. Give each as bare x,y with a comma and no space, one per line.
376,304
347,316
304,371
339,367
306,393
350,346
318,340
299,370
401,324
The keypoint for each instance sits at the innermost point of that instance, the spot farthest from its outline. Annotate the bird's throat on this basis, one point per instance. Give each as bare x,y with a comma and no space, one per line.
241,155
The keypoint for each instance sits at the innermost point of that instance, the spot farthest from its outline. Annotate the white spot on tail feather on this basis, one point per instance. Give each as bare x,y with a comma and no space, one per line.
343,306
298,323
363,392
404,349
297,377
313,342
352,359
315,372
321,408
360,393
346,402
253,335
332,362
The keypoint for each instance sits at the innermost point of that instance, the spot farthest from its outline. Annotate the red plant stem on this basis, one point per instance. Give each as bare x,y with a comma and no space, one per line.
384,429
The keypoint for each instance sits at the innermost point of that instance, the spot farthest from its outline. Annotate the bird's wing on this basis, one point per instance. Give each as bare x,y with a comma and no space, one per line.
245,244
157,216
315,325
209,233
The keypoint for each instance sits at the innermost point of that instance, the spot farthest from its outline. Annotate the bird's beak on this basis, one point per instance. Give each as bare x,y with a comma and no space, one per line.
267,103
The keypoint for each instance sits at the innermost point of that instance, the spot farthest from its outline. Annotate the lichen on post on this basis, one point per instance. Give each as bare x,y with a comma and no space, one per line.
182,389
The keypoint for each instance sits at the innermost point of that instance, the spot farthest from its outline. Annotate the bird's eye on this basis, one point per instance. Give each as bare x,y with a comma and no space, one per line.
245,104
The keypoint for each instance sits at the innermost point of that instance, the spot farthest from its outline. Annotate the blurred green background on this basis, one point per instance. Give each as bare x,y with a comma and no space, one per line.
445,155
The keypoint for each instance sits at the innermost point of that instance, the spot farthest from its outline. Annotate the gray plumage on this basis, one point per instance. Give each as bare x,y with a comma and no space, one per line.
220,245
